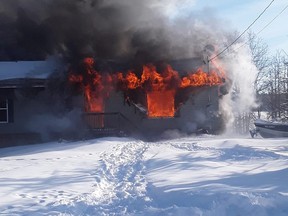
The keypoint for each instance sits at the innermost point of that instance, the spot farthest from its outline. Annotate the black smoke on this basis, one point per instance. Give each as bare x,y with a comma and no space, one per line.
125,30
112,31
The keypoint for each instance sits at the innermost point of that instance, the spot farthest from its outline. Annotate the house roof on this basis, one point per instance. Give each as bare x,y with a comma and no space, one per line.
22,83
29,69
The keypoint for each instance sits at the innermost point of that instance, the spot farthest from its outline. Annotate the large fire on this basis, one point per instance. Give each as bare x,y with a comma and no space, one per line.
96,86
160,88
161,103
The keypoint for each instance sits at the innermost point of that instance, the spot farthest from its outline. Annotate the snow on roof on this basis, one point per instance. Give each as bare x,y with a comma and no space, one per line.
29,69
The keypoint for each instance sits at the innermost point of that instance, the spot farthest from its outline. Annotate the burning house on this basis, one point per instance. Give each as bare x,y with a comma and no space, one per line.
150,101
129,67
154,99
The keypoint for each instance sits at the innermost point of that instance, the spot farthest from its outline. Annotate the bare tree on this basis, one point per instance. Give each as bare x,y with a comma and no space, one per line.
271,83
260,55
244,121
259,51
278,86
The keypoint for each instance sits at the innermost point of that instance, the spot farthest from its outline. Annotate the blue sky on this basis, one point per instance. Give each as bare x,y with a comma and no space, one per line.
241,13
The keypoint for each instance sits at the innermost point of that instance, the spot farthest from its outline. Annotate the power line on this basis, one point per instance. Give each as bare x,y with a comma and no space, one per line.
273,19
243,32
284,52
265,26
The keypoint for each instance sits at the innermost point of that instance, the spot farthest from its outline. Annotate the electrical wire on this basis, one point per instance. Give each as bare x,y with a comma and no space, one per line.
272,20
242,32
264,26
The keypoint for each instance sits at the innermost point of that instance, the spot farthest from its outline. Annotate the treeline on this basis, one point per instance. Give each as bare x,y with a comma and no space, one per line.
271,85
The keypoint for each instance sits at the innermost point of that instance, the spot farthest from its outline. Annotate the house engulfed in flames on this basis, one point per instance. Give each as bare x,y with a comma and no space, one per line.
183,95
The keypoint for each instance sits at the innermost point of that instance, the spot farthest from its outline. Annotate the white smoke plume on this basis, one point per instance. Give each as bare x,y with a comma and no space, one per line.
135,31
110,29
242,70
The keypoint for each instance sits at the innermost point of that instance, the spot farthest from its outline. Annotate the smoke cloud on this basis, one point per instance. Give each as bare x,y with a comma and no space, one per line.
134,31
111,29
242,71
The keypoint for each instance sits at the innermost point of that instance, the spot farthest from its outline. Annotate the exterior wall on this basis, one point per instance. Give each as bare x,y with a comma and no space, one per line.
16,130
22,112
36,118
200,112
33,122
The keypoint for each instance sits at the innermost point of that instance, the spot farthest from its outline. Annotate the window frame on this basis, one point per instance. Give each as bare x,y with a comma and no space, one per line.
7,112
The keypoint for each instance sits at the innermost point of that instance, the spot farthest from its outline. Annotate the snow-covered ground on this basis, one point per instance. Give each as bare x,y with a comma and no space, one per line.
122,176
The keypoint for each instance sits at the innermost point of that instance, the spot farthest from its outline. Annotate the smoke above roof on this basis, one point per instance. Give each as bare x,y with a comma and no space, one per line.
138,31
126,30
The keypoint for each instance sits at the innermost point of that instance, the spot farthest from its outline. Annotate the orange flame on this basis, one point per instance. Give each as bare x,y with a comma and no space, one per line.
75,78
96,87
200,78
160,88
161,103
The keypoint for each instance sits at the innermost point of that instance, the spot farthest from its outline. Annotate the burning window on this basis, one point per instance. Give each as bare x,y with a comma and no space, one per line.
161,104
